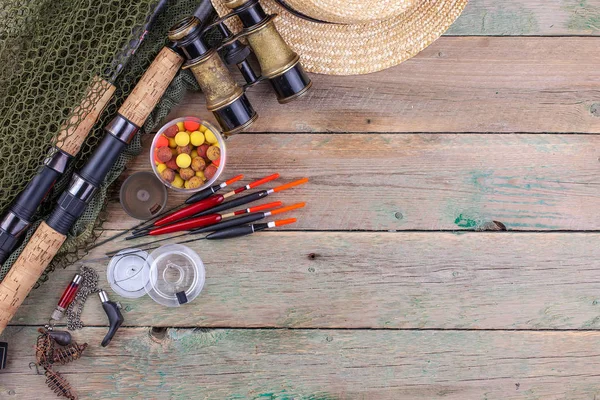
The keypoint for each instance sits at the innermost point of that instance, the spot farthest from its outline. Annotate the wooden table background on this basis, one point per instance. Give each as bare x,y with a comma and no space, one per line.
391,286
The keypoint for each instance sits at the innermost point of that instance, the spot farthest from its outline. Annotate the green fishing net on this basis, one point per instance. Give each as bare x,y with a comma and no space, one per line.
50,51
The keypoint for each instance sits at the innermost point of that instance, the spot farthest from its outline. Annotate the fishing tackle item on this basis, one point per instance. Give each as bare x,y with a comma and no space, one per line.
206,204
66,354
251,198
124,274
204,222
279,64
199,196
59,385
175,275
224,97
49,236
44,348
67,298
89,285
143,195
115,318
71,137
3,354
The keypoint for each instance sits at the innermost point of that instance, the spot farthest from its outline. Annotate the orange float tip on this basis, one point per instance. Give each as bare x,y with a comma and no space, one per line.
234,179
265,206
288,208
288,221
290,185
263,180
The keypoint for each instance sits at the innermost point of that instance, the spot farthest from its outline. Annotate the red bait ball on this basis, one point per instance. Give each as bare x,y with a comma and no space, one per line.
191,126
171,131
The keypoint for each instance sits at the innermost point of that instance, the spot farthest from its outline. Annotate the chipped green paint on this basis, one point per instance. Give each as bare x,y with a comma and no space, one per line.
465,222
196,338
592,323
583,16
283,395
498,19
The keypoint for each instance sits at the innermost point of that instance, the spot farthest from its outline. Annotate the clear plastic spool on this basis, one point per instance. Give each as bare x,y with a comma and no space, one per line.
175,275
125,273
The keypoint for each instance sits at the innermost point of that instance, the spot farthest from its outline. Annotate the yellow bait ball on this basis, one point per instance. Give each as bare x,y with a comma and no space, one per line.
182,139
210,137
197,138
200,174
160,168
194,154
180,126
172,143
177,182
184,160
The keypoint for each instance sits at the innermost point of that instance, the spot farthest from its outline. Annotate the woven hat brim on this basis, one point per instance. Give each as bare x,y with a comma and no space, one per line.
353,49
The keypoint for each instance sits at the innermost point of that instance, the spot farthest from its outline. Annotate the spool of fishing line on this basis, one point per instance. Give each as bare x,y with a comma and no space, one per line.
125,273
143,195
175,275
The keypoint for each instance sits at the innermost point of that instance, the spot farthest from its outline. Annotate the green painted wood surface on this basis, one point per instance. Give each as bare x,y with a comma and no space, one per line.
321,365
424,182
528,18
373,280
459,84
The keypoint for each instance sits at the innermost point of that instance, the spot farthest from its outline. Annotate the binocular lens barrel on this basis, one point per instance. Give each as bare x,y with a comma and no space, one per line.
224,97
278,63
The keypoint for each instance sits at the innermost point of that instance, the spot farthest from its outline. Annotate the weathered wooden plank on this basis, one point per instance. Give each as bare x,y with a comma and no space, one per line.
320,364
373,280
459,84
428,182
529,17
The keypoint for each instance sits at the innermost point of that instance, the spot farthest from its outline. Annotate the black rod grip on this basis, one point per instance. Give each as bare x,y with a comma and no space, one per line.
242,220
249,198
34,193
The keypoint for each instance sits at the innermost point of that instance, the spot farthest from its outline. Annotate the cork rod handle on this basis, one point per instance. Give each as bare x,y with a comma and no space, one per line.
36,256
75,131
151,87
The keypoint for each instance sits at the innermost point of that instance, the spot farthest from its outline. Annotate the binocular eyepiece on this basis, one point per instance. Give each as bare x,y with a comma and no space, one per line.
224,97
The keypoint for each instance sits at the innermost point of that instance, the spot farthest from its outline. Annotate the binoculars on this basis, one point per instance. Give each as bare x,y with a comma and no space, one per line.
225,98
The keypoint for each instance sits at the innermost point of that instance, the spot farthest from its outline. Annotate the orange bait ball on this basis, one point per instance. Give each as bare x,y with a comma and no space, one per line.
191,126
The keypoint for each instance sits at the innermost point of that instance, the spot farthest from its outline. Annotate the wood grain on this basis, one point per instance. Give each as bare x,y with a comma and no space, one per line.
319,364
528,18
372,280
27,269
151,86
73,134
424,182
459,84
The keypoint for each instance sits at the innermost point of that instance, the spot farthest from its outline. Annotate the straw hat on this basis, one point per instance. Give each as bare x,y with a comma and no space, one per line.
348,37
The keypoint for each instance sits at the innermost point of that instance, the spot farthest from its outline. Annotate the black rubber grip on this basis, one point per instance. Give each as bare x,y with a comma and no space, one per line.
33,195
8,243
242,220
68,209
249,198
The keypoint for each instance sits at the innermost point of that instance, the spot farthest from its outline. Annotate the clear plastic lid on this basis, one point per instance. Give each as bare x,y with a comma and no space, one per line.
175,275
125,273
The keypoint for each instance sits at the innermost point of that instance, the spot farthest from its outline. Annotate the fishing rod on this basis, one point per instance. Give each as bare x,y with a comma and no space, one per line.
200,222
17,219
205,204
194,198
50,235
229,233
241,220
